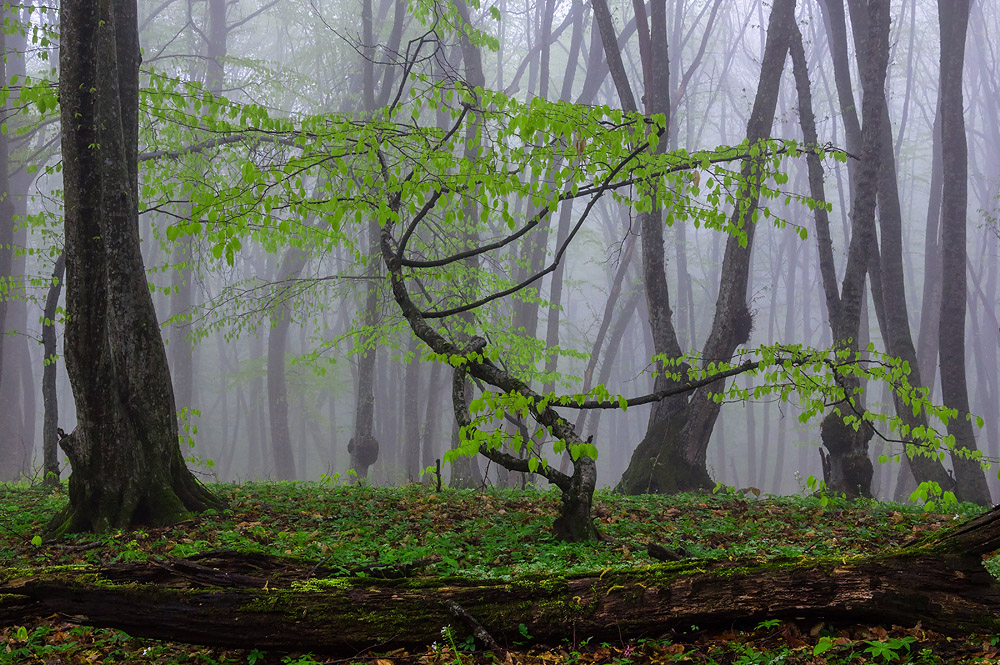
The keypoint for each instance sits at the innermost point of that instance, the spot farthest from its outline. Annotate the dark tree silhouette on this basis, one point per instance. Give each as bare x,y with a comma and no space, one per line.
125,454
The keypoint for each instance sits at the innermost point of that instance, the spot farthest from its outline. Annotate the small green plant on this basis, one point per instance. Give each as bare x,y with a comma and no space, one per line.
889,648
823,645
751,656
723,489
933,497
255,656
523,630
818,487
468,645
768,624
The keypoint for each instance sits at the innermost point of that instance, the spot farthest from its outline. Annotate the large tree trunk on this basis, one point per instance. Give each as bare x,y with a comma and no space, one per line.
245,600
127,463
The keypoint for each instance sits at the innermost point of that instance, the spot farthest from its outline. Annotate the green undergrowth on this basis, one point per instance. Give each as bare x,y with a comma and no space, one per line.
491,535
482,535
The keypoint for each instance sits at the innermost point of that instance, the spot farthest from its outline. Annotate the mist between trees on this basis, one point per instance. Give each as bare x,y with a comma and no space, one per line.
346,207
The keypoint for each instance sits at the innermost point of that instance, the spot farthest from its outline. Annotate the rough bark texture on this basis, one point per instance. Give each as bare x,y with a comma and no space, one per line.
127,463
246,600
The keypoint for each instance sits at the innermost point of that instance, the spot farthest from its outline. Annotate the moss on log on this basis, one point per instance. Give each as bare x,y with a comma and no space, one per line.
244,600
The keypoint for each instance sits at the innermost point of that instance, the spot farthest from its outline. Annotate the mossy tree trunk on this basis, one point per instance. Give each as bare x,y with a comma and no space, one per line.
256,601
126,459
658,465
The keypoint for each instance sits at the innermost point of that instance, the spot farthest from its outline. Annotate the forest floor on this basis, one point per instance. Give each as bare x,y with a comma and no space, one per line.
493,535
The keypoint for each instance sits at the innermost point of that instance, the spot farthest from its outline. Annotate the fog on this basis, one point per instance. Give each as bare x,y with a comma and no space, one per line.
291,316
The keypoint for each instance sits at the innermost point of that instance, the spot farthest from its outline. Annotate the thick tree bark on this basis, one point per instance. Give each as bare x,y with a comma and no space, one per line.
127,463
245,600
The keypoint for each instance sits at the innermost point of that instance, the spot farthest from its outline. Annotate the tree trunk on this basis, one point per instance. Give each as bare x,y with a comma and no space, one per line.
8,469
622,324
565,214
677,462
50,401
887,280
411,413
954,18
256,601
291,267
847,467
364,447
429,444
127,463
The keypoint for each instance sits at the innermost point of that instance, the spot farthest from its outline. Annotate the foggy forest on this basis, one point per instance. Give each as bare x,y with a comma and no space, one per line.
742,247
284,342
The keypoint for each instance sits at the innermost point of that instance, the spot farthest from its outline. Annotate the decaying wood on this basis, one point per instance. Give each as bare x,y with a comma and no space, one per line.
240,600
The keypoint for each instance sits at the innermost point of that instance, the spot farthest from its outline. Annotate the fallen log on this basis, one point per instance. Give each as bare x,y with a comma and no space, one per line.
281,604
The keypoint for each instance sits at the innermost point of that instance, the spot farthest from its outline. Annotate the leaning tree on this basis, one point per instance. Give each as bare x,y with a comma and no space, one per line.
125,453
